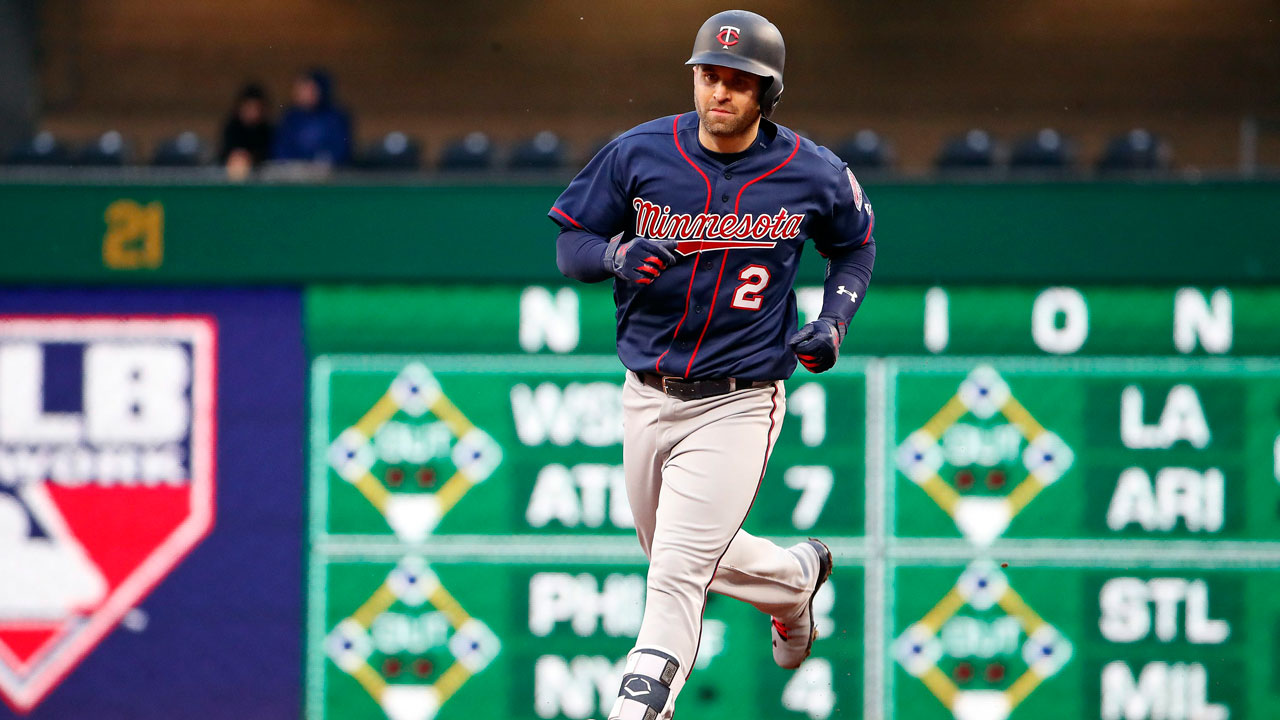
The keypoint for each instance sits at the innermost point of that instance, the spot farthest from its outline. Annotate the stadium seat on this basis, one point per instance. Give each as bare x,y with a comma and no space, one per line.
973,150
1137,149
544,151
395,151
865,151
473,152
1044,150
41,149
109,150
185,149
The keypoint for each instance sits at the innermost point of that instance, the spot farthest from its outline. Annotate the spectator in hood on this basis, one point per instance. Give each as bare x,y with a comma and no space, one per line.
313,128
246,135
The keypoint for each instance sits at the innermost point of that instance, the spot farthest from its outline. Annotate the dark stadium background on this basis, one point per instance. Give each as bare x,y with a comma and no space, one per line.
1043,172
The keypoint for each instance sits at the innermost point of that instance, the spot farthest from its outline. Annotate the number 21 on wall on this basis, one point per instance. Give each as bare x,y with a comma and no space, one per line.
135,235
754,279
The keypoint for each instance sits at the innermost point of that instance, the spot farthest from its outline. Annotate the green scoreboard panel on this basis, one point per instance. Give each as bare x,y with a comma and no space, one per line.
473,551
1059,529
1083,538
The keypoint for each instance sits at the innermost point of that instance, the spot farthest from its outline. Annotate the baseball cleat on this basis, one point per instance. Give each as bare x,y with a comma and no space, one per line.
793,637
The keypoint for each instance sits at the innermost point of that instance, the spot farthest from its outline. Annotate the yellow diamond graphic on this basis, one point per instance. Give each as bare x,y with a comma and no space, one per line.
415,397
984,396
985,592
413,588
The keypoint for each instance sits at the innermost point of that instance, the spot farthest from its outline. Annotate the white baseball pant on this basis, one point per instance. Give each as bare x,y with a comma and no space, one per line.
693,468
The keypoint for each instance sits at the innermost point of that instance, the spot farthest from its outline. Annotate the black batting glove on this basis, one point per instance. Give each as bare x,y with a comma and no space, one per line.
640,260
817,345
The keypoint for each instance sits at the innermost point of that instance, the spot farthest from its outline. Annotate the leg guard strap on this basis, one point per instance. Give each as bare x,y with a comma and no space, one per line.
646,686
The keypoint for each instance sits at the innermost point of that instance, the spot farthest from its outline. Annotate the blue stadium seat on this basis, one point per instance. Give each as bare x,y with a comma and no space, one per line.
973,150
41,149
544,151
109,150
395,151
1044,150
1137,149
866,150
185,149
473,152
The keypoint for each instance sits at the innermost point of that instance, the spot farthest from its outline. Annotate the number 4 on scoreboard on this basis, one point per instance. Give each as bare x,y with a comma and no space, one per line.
810,690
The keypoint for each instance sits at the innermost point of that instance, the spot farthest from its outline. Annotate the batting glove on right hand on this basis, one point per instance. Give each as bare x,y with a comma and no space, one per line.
817,345
640,260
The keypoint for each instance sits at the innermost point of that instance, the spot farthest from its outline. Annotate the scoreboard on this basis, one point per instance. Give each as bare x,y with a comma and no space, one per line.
1043,503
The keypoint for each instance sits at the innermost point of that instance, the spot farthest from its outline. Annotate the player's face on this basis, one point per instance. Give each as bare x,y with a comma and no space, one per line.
728,100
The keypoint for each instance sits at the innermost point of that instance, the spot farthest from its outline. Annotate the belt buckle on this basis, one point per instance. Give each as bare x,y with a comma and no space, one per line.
676,387
666,390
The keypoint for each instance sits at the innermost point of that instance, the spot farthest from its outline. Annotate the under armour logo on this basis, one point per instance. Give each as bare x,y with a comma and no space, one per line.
637,686
853,296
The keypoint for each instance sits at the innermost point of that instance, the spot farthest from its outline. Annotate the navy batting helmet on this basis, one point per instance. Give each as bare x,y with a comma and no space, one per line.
744,41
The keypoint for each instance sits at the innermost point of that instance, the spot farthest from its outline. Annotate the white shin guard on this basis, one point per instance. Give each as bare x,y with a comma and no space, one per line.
649,686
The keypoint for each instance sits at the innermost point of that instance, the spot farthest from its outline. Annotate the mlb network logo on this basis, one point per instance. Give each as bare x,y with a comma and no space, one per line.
106,479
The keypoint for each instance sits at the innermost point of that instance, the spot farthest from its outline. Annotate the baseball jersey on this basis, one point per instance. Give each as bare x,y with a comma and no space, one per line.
727,307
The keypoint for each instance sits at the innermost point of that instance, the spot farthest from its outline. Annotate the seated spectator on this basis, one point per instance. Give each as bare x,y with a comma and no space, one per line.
313,128
246,135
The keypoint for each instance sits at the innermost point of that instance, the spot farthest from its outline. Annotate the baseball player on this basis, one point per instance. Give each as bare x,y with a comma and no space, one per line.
699,219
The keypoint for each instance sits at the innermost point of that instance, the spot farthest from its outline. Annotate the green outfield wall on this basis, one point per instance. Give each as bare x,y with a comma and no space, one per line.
1210,232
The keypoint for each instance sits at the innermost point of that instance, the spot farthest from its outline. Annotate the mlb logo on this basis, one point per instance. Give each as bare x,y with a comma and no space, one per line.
106,479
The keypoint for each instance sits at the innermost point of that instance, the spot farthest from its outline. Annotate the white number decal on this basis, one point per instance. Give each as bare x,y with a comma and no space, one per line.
809,403
814,483
755,278
809,690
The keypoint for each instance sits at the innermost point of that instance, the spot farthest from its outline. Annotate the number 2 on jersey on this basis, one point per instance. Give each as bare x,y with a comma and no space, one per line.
755,278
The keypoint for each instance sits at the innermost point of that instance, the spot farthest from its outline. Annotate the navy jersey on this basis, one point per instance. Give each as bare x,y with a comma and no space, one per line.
726,308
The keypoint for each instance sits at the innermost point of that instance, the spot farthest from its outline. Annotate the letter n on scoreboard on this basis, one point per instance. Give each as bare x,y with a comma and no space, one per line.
106,479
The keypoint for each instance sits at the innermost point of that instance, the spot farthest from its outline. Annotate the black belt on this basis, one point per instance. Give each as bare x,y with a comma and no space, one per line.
682,389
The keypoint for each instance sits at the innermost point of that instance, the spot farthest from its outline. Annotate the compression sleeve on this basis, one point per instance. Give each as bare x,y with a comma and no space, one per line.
845,240
580,255
848,275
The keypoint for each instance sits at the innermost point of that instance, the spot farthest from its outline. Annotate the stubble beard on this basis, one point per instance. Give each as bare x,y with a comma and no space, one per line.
732,126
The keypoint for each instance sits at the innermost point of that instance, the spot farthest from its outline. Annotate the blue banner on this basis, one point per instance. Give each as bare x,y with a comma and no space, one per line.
151,449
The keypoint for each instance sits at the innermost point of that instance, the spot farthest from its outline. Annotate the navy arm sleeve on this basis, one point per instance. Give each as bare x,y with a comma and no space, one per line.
580,255
850,249
848,275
